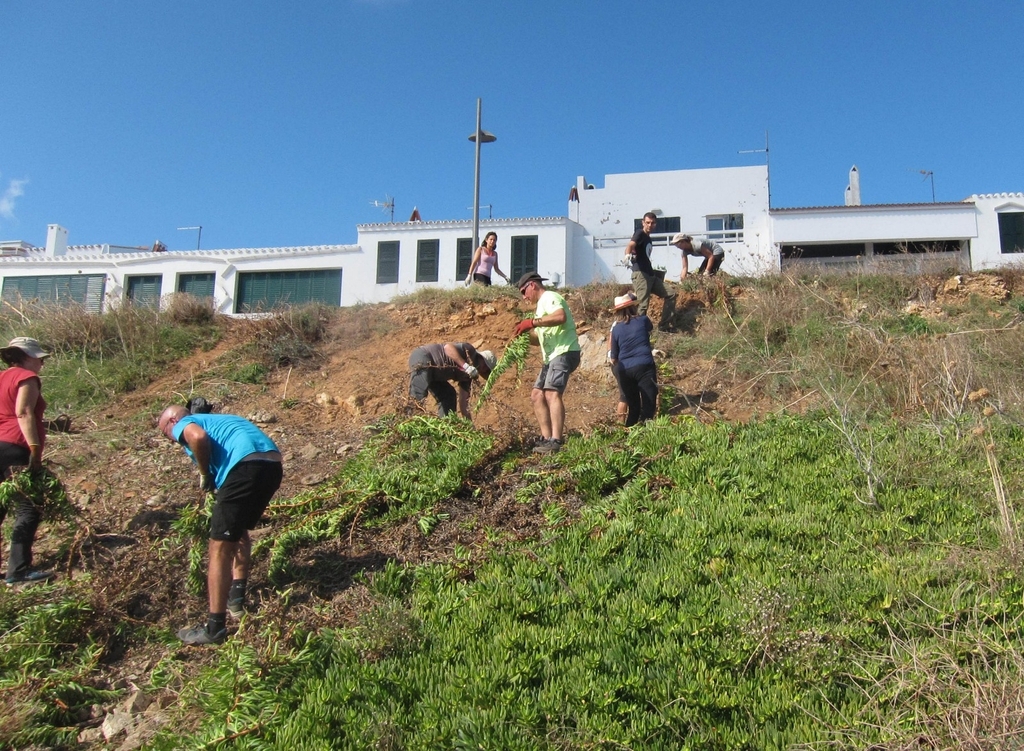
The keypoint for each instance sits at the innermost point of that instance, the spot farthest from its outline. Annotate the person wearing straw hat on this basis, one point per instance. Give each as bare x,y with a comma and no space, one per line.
632,358
22,438
712,253
621,407
433,365
560,352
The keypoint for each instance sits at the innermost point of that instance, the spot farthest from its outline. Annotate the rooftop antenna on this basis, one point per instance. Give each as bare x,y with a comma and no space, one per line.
929,175
388,204
767,163
199,238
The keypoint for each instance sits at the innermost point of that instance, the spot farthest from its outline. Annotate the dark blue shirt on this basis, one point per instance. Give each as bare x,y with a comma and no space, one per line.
631,342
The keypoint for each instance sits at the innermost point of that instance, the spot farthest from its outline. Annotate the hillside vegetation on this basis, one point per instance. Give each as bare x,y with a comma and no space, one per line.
815,545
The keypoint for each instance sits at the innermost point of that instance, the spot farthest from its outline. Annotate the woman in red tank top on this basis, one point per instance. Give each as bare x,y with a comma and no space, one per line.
22,436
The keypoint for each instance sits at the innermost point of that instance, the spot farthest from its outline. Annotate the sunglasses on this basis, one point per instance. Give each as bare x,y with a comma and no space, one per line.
526,287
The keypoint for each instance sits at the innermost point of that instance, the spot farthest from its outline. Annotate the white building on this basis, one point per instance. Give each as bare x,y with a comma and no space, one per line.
728,205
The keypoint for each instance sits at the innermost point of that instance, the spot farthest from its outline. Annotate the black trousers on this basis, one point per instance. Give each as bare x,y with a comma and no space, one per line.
640,387
26,514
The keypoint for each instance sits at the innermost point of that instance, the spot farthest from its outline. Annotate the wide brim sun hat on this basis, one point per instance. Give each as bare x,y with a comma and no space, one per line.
28,345
627,300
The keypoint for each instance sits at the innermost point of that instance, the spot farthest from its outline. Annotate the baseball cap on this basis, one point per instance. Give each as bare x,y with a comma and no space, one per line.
489,358
679,237
530,276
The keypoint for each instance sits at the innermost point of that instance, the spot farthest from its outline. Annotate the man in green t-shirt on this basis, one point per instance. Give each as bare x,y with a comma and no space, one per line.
560,349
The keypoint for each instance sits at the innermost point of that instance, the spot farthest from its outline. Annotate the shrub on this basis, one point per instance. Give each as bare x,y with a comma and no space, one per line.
189,310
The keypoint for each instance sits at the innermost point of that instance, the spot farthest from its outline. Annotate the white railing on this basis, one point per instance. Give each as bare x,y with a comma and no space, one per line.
726,236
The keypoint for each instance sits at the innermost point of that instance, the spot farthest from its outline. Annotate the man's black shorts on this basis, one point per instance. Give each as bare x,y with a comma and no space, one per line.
243,498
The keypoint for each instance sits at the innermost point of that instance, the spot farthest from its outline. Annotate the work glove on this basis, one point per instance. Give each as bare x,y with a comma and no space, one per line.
206,482
523,326
469,280
470,370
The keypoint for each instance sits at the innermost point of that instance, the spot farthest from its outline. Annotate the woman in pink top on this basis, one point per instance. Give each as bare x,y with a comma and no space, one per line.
22,435
485,259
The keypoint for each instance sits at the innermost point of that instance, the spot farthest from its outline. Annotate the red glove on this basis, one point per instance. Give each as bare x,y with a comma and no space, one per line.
523,326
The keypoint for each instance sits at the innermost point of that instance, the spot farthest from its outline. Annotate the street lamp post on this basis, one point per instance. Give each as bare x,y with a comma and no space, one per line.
478,137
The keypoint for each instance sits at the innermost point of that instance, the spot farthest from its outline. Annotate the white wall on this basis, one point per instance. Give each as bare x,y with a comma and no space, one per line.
606,215
849,224
986,252
553,237
225,264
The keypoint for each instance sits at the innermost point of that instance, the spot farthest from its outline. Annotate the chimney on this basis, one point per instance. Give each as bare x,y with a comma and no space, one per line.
56,240
853,189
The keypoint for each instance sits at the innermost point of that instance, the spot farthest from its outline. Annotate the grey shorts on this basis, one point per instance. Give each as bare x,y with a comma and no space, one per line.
554,376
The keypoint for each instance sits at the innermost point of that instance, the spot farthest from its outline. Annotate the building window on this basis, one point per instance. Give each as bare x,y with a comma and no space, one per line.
264,290
387,262
463,257
524,255
81,289
1011,232
666,225
916,246
198,285
833,250
143,291
727,227
427,253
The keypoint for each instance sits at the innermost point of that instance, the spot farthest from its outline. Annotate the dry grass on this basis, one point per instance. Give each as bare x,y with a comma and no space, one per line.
186,309
288,335
935,698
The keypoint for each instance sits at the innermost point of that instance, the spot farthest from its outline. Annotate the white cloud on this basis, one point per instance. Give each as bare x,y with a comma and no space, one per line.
15,189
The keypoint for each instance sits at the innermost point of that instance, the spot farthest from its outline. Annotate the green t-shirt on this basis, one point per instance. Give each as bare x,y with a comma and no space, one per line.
556,340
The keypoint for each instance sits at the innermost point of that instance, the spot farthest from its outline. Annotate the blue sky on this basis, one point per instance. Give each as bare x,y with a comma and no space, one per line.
278,123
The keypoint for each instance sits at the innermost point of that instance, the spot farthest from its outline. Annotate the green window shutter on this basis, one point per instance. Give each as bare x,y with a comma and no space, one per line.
199,285
524,255
263,290
387,262
427,254
94,292
142,290
81,289
1011,232
463,257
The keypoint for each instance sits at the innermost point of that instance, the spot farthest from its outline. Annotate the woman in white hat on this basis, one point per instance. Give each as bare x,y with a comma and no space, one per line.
22,437
633,360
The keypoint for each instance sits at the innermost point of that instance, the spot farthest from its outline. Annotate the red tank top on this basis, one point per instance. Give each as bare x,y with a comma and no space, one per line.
10,381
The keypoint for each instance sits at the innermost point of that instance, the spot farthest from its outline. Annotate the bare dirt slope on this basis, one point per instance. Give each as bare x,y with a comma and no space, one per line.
130,483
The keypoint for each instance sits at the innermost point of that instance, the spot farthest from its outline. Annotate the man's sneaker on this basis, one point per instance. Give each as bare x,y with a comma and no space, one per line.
236,608
199,636
551,446
29,577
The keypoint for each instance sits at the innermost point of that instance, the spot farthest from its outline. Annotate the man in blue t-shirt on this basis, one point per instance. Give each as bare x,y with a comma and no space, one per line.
646,281
243,466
